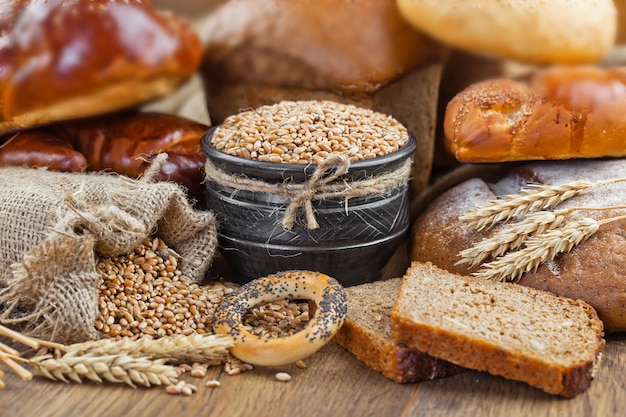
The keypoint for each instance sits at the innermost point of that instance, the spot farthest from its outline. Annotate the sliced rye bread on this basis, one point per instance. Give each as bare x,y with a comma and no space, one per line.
521,333
365,333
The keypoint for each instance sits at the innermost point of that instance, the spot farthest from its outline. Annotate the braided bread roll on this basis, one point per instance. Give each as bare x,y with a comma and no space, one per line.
559,113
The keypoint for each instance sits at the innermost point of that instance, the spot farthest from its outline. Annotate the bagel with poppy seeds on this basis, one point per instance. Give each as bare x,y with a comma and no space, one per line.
330,313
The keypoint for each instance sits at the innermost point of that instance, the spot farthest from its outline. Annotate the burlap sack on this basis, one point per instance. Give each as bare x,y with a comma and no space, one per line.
53,226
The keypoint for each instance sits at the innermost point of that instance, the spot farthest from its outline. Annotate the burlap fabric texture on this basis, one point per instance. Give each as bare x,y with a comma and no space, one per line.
53,226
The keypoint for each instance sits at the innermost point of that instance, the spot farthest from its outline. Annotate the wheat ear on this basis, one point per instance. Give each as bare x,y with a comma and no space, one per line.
515,235
175,349
541,248
122,368
510,238
533,198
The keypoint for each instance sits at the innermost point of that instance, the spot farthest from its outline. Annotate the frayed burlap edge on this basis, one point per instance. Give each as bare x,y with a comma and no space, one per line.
53,291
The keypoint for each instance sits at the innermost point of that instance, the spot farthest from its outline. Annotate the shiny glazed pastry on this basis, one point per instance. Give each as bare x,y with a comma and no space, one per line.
65,59
124,143
560,113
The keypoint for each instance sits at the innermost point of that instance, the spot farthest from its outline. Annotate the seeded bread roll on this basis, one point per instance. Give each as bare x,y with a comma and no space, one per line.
546,32
361,53
65,59
560,113
520,333
365,333
592,271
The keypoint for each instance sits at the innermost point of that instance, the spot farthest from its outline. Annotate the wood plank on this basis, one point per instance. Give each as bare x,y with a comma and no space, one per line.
333,384
481,394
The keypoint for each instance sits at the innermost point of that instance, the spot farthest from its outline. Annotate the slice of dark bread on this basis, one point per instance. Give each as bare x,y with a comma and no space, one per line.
365,333
520,333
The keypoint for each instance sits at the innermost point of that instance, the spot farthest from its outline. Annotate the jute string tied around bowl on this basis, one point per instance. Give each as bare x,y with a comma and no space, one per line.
322,184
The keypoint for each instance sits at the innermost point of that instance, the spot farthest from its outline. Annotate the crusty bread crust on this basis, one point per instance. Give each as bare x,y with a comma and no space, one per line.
470,348
375,349
546,32
561,113
355,46
592,271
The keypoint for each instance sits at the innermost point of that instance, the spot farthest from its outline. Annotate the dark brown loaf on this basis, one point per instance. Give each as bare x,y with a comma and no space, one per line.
550,342
365,333
124,143
592,271
41,148
362,53
560,113
64,59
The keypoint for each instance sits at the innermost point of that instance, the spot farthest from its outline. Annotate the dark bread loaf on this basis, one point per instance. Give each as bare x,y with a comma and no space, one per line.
124,143
65,59
365,333
362,53
41,148
592,271
520,333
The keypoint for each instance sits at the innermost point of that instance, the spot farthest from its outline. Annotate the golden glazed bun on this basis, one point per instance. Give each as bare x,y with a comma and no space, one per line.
543,32
65,59
560,113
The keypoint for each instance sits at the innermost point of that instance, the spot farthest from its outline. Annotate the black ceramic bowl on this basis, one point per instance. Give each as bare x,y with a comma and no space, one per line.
352,244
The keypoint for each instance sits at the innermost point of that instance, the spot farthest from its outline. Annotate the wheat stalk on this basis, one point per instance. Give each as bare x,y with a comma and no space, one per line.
542,248
510,238
175,349
533,198
120,368
143,362
515,235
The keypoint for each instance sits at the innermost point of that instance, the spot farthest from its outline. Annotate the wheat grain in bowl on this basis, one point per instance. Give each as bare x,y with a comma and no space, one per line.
307,132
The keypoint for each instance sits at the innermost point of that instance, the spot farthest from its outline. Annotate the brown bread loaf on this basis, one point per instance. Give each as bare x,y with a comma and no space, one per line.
592,271
361,53
124,142
365,333
520,333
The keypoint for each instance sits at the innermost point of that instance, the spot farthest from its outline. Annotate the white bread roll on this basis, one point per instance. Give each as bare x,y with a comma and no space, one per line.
543,32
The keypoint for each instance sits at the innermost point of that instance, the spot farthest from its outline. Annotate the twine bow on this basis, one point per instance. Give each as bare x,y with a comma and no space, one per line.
322,184
302,194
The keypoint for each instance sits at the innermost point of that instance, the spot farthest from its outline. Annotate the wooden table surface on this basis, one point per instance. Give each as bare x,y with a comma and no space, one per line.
334,383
